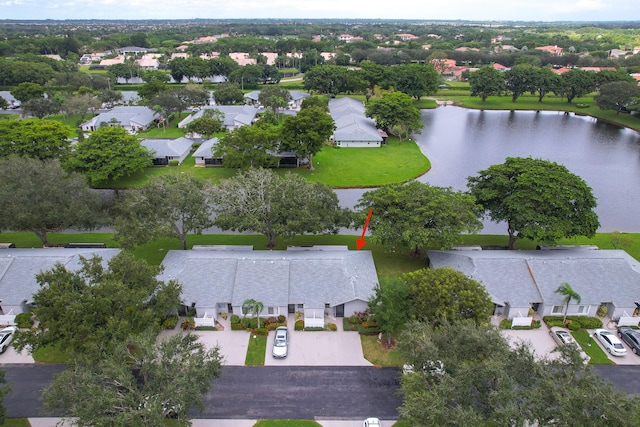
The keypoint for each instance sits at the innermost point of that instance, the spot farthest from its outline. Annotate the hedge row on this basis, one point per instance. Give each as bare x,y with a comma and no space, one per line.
574,322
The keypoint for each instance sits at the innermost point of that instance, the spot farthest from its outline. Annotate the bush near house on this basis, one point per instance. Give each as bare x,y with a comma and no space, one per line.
188,324
237,327
24,320
170,322
578,322
234,319
299,325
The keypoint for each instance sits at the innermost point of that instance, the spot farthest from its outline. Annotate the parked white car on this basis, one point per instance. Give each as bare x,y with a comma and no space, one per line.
563,337
372,422
6,336
281,343
610,342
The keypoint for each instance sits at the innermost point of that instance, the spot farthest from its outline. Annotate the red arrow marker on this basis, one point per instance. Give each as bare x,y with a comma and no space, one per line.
361,242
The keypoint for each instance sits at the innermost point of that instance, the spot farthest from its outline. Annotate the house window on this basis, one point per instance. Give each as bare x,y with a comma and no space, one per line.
557,309
327,305
583,309
222,305
271,310
300,306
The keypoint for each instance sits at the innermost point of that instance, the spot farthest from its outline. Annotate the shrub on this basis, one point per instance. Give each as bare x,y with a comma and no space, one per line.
573,326
24,320
260,331
236,327
191,312
250,322
299,315
188,323
355,320
274,326
173,163
282,318
234,319
369,331
299,325
581,322
590,322
602,311
206,328
224,315
333,327
505,324
170,322
369,324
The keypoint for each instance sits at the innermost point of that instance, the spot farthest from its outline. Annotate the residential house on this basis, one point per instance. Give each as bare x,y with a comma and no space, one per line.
561,70
132,50
19,267
149,61
296,98
112,61
348,38
553,50
500,67
242,58
132,118
11,100
353,128
467,49
520,280
271,57
328,56
407,37
315,281
207,39
204,154
234,116
165,150
53,56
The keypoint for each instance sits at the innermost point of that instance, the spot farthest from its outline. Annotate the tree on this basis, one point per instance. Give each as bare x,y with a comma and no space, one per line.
170,101
390,307
151,89
248,146
539,199
108,154
416,80
617,96
110,97
274,97
519,80
38,196
485,82
569,294
395,113
195,95
137,381
4,104
307,132
228,94
26,91
326,79
40,107
444,293
82,310
39,139
4,390
486,382
417,216
544,81
253,307
247,76
259,200
205,126
167,206
577,83
81,104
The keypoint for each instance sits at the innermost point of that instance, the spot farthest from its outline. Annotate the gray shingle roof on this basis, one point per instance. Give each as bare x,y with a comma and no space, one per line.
276,278
351,122
524,277
205,150
126,115
168,147
18,268
234,115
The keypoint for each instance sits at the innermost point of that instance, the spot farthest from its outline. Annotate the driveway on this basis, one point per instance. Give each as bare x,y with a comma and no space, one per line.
233,344
629,359
538,340
12,356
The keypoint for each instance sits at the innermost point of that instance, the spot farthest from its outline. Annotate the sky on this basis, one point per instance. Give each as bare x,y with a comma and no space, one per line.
485,10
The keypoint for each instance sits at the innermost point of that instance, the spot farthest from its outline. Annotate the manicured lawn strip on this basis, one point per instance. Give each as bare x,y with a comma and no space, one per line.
50,354
375,352
367,167
597,355
425,103
29,240
256,351
16,422
9,116
286,423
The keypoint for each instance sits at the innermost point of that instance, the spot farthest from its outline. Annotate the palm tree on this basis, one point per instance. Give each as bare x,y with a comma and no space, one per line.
567,291
254,307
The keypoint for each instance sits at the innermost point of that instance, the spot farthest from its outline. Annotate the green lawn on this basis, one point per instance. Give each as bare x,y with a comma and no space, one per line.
593,350
377,354
256,351
16,422
50,354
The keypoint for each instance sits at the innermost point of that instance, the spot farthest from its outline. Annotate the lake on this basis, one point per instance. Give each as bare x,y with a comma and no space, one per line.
460,142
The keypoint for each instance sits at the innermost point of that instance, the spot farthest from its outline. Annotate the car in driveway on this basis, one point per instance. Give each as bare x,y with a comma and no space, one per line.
372,422
563,337
631,337
6,336
281,343
610,342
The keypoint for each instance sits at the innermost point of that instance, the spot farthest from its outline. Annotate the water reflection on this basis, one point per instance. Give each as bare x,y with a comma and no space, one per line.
460,142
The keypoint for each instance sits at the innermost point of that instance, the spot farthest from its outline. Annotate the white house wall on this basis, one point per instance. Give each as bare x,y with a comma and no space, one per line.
357,144
353,307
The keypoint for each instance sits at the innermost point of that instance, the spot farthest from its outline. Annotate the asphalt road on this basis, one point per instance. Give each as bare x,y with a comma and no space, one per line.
269,392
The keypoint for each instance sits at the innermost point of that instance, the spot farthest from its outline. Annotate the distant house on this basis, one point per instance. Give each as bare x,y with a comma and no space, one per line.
520,280
149,61
11,100
296,98
204,154
407,37
242,58
314,281
132,118
353,128
165,150
112,61
500,67
553,50
234,116
19,267
128,50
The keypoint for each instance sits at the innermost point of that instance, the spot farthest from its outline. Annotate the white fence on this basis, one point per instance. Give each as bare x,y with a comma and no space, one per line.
521,320
205,320
8,319
626,320
314,322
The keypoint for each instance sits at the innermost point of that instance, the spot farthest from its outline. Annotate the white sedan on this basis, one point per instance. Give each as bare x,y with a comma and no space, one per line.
6,336
610,342
372,422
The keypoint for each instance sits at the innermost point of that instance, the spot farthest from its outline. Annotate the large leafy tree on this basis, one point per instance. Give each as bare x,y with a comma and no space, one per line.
108,154
484,381
577,83
327,79
205,126
444,293
136,381
27,90
544,81
391,307
261,201
415,216
228,94
519,80
40,197
81,310
81,104
307,132
539,199
617,96
249,146
40,107
167,206
395,113
171,101
416,80
485,82
274,97
39,139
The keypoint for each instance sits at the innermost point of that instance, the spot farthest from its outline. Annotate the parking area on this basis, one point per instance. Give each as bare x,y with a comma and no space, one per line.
11,356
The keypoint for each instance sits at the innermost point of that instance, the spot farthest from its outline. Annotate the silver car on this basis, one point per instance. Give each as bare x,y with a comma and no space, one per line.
610,342
563,337
281,343
6,336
